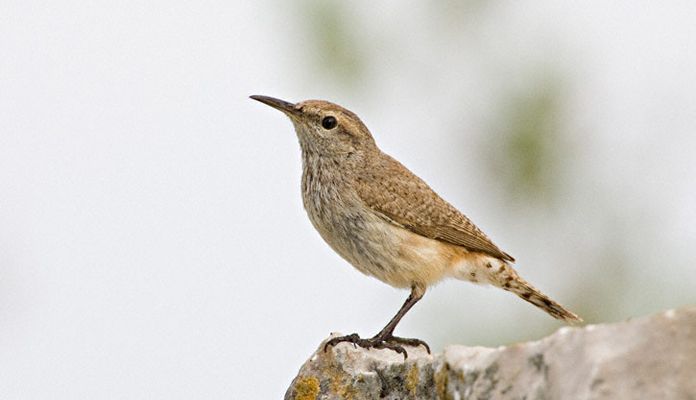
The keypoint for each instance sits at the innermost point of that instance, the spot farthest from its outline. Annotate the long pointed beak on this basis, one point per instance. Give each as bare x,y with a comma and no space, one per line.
282,105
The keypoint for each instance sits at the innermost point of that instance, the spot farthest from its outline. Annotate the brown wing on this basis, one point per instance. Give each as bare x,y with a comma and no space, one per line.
402,198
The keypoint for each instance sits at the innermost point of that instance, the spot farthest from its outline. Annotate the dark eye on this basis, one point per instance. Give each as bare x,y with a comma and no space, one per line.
329,122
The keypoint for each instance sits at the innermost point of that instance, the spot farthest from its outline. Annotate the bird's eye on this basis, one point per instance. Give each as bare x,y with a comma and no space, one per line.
329,122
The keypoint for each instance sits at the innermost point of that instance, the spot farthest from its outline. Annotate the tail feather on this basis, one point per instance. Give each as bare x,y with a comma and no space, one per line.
508,279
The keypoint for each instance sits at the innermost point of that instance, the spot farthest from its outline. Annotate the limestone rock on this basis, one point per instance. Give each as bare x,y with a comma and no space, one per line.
647,358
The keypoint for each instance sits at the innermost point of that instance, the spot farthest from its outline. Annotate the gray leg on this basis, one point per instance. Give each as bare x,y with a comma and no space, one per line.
385,338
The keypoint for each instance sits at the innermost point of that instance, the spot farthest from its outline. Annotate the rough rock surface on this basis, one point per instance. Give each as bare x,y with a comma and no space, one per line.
647,358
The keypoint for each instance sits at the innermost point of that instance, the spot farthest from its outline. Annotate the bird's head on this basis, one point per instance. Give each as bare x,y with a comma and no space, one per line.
324,128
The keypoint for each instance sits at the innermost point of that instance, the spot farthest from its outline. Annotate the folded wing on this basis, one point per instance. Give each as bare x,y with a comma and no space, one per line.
413,205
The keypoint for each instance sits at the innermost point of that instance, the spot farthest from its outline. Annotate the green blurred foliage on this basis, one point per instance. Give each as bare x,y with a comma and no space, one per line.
453,12
336,48
525,150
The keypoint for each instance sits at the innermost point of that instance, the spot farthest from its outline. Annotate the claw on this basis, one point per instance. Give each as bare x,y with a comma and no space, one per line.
352,338
390,342
409,342
395,347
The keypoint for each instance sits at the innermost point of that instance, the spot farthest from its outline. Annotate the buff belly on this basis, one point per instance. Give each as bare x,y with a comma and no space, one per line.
397,256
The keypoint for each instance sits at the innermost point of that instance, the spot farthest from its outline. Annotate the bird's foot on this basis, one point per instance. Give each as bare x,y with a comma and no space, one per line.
409,342
387,342
372,343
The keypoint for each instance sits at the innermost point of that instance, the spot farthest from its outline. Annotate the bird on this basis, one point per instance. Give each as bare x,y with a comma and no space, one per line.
387,222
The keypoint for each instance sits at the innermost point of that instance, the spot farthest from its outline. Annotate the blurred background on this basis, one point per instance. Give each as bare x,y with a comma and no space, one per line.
152,238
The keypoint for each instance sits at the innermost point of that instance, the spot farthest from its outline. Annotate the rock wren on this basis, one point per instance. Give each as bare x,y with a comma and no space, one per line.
387,222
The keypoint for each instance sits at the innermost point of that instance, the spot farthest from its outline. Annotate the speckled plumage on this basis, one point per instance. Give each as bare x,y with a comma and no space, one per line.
383,219
401,197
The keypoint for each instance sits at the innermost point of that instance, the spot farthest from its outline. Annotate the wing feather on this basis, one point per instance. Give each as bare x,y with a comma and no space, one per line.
403,199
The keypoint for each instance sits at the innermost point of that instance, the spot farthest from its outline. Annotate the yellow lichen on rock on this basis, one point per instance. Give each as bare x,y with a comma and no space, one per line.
412,378
441,379
307,388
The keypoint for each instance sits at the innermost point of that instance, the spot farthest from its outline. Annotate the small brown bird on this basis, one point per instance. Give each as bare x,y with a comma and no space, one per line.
387,222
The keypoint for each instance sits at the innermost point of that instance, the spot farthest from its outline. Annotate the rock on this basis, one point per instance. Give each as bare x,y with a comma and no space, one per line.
647,358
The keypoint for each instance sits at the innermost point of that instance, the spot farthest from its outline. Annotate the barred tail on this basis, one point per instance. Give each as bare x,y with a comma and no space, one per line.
508,279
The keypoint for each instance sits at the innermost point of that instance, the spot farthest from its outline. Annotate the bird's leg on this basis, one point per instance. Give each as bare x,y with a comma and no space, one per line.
385,338
387,333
